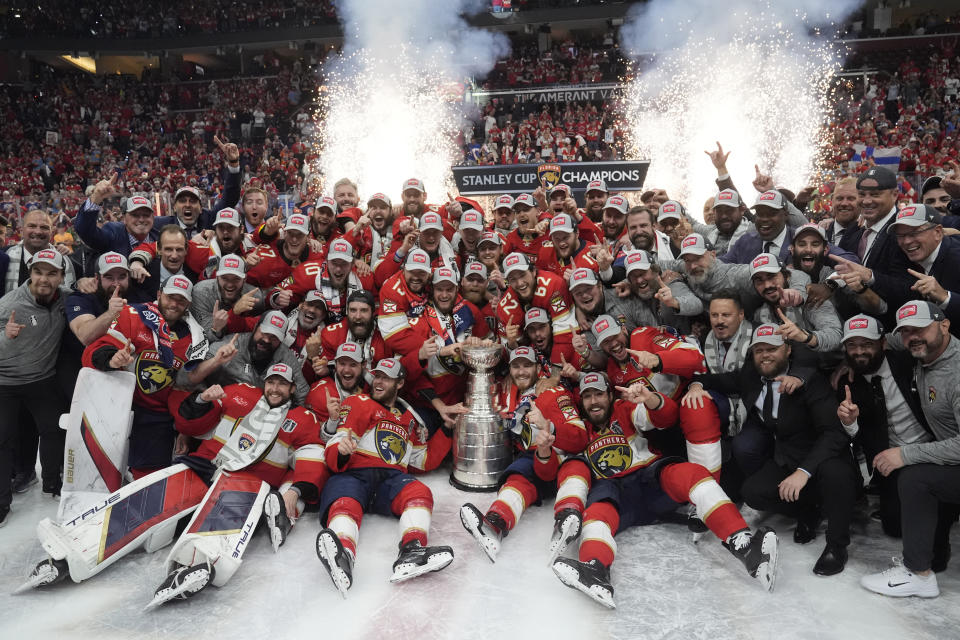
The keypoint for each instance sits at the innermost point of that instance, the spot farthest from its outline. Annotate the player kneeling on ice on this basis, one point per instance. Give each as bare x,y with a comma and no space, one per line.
538,424
260,457
375,444
634,485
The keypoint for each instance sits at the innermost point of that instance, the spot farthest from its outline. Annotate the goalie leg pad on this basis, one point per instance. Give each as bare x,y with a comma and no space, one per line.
125,520
222,526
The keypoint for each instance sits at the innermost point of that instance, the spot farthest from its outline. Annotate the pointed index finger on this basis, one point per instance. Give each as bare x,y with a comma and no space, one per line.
916,274
847,387
233,340
838,259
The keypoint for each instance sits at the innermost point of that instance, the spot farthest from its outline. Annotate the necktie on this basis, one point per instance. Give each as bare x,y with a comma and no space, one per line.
862,246
726,349
881,399
767,246
768,420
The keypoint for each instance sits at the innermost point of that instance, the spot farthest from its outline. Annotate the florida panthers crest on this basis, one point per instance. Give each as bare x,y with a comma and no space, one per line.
610,455
391,441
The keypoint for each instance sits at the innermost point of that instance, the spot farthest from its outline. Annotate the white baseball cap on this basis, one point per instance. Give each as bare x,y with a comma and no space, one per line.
773,199
111,260
582,276
326,202
231,265
340,249
414,183
561,223
727,198
670,209
431,220
516,261
766,333
618,203
282,370
765,263
445,274
811,228
490,236
274,323
51,257
605,327
139,202
918,313
350,350
527,353
475,268
504,202
298,222
597,185
861,326
176,286
471,220
380,197
391,367
694,245
227,215
637,260
535,315
525,200
417,260
594,380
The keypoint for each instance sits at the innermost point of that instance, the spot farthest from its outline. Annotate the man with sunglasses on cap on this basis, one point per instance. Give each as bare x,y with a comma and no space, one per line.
929,472
153,340
803,467
634,485
336,278
33,323
377,442
246,357
538,420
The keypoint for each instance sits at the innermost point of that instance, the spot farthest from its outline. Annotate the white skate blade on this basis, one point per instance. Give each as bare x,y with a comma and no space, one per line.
767,571
327,551
271,507
435,562
697,536
468,518
195,581
568,575
42,575
559,545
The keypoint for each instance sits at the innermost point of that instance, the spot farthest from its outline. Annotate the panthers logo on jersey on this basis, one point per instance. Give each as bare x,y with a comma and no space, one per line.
391,441
610,455
152,375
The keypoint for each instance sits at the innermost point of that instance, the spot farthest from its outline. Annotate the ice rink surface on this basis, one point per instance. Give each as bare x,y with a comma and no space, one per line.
665,587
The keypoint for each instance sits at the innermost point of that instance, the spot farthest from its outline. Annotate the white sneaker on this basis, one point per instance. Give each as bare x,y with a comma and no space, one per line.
899,582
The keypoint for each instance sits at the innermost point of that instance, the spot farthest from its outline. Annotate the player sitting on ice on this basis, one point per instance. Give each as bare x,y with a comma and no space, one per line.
259,457
538,422
375,444
634,485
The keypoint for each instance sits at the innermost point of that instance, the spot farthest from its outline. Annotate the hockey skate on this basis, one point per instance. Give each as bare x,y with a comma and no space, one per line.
698,528
591,578
46,573
758,553
566,527
486,530
415,560
276,519
336,560
182,583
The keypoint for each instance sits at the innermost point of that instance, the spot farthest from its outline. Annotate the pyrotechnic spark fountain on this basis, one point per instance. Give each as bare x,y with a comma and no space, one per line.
387,112
757,84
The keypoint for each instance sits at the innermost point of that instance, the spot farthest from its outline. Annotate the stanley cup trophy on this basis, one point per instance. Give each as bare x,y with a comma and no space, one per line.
481,446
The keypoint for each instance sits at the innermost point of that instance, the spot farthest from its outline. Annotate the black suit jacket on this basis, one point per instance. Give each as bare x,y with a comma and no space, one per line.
807,430
146,291
848,239
874,435
885,256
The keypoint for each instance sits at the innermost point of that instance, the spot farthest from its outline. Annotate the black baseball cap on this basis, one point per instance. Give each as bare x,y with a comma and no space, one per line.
884,178
931,183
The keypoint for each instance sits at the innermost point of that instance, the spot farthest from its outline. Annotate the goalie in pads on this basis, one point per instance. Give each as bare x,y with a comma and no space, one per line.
259,457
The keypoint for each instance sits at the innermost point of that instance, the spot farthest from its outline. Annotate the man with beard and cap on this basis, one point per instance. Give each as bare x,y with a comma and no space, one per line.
645,236
428,237
323,222
377,442
529,287
216,301
373,235
304,325
880,408
468,235
807,468
669,216
335,278
91,314
504,218
152,340
552,358
592,300
246,357
538,421
32,328
327,394
404,295
817,328
663,362
561,201
414,200
729,222
525,236
448,322
474,288
808,253
654,302
928,471
613,221
705,274
278,257
930,270
566,251
359,325
595,200
635,485
876,248
771,233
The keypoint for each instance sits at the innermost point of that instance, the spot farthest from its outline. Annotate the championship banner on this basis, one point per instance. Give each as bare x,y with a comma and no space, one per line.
524,178
593,92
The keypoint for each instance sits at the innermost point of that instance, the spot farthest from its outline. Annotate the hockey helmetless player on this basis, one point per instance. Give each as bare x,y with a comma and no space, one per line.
375,444
634,485
260,457
538,423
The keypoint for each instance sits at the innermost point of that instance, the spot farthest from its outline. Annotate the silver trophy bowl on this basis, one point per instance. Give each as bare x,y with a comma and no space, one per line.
481,447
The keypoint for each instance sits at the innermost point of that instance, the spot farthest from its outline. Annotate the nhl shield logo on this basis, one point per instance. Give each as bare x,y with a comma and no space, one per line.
610,455
391,441
548,175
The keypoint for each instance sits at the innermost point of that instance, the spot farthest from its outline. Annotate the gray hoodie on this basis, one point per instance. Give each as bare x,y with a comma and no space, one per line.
32,355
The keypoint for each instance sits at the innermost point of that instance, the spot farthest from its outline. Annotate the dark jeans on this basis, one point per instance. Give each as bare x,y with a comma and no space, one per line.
831,490
923,487
44,402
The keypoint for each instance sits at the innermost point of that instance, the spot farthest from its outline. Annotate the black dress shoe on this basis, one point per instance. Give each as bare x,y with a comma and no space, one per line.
805,532
831,561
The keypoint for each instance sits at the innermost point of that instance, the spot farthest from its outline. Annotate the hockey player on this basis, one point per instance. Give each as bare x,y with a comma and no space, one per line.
376,442
327,394
634,485
260,457
403,296
537,424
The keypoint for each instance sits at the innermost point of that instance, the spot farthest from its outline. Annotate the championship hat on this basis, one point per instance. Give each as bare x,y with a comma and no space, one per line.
918,313
417,260
380,197
490,236
670,209
516,261
597,185
694,245
231,265
298,222
766,333
227,215
177,286
810,228
637,259
503,202
431,220
390,367
137,202
445,274
274,323
582,276
191,190
535,315
471,220
350,350
524,200
111,260
527,353
563,188
326,202
340,249
283,370
765,263
51,257
605,327
561,223
727,198
594,380
773,199
414,183
916,215
315,295
475,268
861,326
617,203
